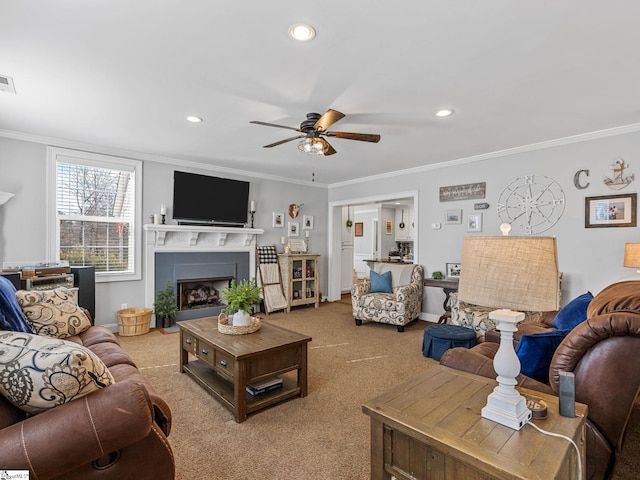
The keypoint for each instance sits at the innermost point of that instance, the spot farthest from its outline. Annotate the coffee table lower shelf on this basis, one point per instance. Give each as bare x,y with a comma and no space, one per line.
222,389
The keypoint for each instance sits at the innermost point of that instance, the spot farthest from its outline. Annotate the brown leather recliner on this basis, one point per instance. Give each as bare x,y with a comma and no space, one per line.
602,352
117,432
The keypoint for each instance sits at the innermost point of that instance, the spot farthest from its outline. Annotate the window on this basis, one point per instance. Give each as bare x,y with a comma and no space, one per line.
94,211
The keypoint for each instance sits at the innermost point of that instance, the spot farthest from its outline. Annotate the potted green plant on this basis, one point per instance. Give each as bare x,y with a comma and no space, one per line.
165,307
240,298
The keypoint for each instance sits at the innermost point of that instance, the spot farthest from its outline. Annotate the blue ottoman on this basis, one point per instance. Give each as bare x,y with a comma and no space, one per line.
440,338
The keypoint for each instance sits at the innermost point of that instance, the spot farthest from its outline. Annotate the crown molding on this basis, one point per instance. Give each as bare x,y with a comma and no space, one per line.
56,142
583,137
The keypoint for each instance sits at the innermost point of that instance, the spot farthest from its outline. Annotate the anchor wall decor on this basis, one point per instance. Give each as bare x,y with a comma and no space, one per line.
619,181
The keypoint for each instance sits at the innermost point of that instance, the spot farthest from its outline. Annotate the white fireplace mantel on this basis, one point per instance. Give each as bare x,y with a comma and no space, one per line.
193,238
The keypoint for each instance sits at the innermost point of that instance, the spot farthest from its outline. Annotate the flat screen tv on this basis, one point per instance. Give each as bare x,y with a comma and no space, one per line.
203,199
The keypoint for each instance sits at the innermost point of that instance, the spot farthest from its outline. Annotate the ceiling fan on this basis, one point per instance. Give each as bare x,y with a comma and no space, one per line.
314,128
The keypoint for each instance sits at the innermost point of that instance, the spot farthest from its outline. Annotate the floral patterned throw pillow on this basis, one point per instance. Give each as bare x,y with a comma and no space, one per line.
38,372
52,312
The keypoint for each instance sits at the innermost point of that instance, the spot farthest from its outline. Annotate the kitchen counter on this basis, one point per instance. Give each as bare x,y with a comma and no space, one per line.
371,262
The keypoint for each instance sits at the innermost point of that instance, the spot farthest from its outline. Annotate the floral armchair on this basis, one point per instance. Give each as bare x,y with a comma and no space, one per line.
400,307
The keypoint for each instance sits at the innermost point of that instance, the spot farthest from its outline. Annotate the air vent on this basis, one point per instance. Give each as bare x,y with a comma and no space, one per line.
6,84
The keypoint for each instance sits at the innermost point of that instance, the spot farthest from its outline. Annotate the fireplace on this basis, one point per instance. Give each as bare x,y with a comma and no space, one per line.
204,274
179,253
201,292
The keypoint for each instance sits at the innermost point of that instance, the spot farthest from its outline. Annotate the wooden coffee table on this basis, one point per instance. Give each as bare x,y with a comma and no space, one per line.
224,364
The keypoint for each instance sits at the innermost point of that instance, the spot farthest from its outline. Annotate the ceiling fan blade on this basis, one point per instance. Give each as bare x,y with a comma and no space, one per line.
363,137
328,149
283,141
274,125
328,119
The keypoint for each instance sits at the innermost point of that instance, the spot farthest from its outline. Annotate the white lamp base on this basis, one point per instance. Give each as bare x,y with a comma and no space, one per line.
505,405
506,409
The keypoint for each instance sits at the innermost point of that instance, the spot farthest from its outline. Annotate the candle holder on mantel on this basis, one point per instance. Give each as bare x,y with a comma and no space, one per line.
163,213
252,213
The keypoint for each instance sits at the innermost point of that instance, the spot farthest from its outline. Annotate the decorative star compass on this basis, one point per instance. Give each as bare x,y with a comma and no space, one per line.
534,202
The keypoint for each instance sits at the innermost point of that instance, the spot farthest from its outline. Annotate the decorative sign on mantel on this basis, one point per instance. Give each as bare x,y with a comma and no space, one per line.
467,191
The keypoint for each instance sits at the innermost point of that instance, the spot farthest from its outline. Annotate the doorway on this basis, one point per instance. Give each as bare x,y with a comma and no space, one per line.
335,221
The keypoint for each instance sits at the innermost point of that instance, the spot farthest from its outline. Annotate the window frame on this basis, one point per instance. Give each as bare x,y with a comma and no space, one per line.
89,159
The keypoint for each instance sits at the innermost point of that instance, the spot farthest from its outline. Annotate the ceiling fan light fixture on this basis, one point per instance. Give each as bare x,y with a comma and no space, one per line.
302,32
312,146
194,119
444,112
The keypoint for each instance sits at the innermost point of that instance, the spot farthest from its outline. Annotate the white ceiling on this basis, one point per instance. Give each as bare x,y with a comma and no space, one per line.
124,74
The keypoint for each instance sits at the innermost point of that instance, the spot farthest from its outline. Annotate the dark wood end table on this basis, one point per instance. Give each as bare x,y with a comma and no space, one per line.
448,286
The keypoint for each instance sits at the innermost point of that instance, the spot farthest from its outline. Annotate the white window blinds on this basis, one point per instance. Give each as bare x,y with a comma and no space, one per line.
95,215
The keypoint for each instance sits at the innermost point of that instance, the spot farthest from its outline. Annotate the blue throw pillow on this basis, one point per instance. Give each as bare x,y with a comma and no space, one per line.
573,313
535,352
380,282
11,317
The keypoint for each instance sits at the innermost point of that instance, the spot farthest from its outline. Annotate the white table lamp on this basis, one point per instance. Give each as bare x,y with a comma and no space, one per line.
514,273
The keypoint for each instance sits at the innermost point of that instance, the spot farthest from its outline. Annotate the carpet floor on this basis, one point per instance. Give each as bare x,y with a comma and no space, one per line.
324,435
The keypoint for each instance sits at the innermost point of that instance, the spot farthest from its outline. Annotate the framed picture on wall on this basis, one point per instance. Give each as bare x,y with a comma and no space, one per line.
294,229
359,228
278,220
307,222
388,227
453,217
474,222
610,211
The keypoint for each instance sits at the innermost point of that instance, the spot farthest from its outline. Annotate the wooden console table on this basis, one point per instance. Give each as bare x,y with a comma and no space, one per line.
430,427
225,364
448,286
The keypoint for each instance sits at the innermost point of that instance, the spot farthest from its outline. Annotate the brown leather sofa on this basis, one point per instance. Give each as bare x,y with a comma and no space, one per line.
602,352
117,432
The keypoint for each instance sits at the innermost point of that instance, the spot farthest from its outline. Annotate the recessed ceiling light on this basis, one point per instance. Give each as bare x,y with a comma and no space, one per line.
444,112
302,32
194,119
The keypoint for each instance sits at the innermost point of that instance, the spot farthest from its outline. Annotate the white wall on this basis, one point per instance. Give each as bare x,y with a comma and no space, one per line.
22,219
589,258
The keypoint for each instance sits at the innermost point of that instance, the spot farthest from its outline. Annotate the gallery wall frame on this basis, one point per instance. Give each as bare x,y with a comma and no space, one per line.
388,227
611,211
474,222
359,229
294,229
453,217
307,222
278,220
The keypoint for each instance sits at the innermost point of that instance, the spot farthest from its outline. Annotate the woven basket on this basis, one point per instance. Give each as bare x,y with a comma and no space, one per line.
224,327
134,321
